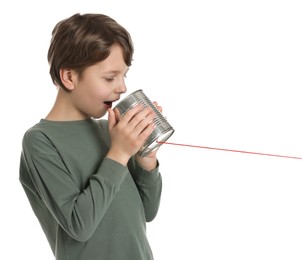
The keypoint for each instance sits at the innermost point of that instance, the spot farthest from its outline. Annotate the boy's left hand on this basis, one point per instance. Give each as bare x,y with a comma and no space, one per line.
149,162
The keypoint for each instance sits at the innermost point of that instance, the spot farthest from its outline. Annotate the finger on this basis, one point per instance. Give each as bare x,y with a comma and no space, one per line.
142,124
157,106
111,119
131,113
117,114
142,119
147,131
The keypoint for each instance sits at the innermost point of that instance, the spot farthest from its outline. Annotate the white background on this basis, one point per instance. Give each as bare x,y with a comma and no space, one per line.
228,75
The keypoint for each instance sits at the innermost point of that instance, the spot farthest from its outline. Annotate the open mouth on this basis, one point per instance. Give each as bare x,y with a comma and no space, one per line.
108,104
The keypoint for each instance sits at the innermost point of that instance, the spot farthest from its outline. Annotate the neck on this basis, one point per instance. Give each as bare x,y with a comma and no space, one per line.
63,108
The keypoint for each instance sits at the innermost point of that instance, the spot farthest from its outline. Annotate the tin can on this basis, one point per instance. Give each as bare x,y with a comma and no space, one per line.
162,131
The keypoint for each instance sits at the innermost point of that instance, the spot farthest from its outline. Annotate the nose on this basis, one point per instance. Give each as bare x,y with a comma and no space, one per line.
121,88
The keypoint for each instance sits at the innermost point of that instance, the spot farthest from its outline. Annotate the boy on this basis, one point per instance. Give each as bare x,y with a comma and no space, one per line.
90,191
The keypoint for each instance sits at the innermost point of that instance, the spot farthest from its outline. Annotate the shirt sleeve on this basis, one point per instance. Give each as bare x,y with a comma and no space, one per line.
149,185
79,212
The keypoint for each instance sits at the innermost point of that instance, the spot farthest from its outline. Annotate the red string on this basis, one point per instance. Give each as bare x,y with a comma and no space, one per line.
229,150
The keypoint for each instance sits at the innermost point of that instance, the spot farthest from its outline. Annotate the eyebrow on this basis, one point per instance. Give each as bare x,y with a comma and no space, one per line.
116,71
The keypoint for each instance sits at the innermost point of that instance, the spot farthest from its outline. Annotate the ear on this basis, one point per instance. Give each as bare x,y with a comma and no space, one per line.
68,78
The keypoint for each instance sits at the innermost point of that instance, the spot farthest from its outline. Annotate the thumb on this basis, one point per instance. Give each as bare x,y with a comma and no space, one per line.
111,119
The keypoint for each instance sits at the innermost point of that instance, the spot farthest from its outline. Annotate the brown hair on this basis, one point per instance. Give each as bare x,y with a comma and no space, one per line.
83,40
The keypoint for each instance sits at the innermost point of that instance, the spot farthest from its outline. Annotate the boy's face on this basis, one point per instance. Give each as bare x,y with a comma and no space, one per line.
100,85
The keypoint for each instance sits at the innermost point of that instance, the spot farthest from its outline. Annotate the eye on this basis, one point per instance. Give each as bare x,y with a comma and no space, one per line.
109,79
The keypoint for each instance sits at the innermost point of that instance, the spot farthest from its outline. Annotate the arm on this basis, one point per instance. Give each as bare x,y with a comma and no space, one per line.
149,185
79,212
128,133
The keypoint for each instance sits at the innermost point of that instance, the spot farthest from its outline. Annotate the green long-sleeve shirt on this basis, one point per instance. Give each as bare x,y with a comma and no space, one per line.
90,207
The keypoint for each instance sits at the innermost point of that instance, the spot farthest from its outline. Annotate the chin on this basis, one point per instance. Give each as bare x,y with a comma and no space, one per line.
99,115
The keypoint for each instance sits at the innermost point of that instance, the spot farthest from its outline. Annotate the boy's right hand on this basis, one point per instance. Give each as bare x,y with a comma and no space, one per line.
129,132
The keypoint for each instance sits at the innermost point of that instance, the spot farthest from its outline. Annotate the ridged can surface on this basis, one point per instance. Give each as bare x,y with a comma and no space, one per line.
162,131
